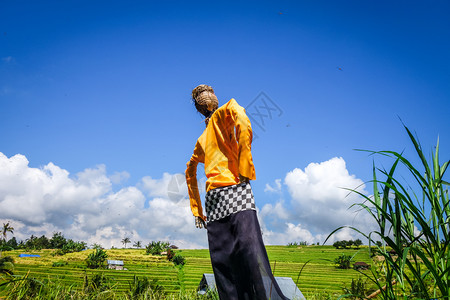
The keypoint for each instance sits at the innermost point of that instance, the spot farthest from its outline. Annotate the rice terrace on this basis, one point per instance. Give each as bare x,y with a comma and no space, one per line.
320,277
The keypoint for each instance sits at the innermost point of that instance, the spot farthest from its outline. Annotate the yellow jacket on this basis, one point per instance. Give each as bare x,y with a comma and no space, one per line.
225,149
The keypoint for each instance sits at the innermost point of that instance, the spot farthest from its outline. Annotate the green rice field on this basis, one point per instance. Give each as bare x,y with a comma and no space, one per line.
318,275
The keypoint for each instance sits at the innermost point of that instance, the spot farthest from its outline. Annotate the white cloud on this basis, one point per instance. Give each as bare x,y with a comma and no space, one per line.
275,189
85,207
319,203
290,233
119,177
319,194
167,186
278,211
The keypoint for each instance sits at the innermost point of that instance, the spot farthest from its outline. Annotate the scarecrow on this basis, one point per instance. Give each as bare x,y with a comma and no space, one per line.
238,256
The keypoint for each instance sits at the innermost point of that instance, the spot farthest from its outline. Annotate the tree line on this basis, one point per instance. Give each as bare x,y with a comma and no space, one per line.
344,244
57,241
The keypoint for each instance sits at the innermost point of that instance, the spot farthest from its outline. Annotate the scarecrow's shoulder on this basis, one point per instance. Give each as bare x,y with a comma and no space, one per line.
231,105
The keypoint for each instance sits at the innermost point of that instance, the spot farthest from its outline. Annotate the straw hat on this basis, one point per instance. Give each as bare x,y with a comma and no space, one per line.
204,99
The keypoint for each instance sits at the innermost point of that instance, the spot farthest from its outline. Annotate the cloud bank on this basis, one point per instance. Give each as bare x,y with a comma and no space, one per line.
93,206
85,206
318,202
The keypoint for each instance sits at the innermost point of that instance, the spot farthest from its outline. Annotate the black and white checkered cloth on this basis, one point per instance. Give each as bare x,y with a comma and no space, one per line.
224,201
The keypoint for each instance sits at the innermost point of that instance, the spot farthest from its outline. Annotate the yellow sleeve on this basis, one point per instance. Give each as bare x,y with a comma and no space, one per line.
191,179
244,136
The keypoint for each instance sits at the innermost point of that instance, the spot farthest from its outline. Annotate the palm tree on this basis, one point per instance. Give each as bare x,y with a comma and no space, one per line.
6,228
137,244
125,241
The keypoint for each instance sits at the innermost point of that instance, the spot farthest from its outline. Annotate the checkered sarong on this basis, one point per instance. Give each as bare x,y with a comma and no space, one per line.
224,201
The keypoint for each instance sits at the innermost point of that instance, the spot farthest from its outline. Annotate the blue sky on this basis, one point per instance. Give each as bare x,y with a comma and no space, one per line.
103,88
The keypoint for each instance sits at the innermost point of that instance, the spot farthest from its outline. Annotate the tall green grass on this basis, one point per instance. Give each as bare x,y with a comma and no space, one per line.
413,219
98,288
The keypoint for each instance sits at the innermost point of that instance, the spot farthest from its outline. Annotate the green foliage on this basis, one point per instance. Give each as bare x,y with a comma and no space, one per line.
58,252
79,266
98,287
294,244
9,245
25,288
5,229
69,247
138,287
143,287
96,259
212,295
97,283
156,248
344,244
357,289
343,261
72,246
59,264
340,244
125,241
5,247
179,260
35,243
6,265
319,295
96,246
412,220
57,241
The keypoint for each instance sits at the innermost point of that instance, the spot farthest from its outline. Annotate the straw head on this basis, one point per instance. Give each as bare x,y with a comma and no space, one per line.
204,99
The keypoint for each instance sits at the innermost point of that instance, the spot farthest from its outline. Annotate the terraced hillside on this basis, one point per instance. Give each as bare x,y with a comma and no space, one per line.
73,269
319,274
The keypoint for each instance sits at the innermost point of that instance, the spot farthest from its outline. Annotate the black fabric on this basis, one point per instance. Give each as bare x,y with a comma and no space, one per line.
239,259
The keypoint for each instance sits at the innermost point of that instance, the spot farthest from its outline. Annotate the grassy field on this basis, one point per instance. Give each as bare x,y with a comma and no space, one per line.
319,274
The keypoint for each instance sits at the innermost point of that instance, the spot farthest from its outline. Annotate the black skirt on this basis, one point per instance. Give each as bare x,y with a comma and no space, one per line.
238,256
